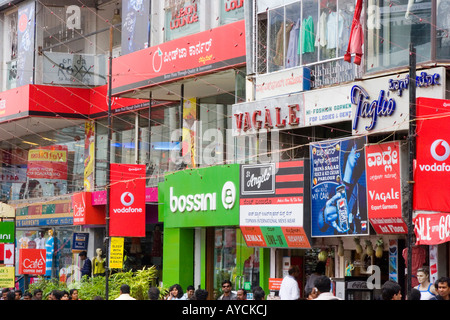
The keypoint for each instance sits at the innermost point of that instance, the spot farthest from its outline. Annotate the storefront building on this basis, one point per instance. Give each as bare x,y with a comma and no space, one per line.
304,89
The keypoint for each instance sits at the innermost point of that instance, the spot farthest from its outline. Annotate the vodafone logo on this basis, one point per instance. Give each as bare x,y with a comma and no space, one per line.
127,199
440,150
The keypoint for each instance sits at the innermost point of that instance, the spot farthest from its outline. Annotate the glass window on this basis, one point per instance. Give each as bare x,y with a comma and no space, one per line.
277,36
231,11
391,27
123,144
27,173
443,29
310,16
182,18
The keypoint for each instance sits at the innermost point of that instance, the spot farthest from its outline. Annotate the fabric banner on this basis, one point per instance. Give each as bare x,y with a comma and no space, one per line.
127,200
432,169
384,192
432,229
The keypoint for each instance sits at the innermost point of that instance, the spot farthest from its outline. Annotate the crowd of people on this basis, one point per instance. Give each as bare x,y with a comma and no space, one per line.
318,287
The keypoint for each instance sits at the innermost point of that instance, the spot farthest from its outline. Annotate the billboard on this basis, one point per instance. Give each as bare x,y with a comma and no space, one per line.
338,188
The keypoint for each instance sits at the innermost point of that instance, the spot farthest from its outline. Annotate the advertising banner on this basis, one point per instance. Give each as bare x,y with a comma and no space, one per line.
116,252
432,229
7,231
48,163
432,168
271,204
384,188
32,261
127,200
202,197
84,212
7,277
338,188
25,51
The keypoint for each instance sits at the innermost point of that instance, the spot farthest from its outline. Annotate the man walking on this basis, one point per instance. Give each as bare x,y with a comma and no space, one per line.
289,289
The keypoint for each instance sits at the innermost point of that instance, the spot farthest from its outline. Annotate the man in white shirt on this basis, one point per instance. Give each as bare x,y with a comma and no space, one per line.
125,293
289,289
323,286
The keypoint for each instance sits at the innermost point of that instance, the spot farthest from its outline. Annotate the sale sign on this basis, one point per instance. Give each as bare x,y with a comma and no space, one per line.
432,229
432,169
384,192
32,261
127,200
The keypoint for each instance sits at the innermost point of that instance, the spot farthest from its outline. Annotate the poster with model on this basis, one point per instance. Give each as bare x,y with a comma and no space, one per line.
338,188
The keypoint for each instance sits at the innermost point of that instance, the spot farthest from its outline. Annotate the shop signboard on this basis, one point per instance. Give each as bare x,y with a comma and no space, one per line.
202,197
432,167
80,242
202,52
282,82
382,104
7,232
272,204
32,261
84,213
7,277
384,188
338,188
127,200
432,228
116,253
7,253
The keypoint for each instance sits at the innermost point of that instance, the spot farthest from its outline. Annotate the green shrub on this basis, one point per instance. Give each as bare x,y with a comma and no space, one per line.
139,282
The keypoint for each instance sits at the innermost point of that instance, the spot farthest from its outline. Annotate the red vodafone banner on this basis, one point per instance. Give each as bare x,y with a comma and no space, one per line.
384,192
432,169
432,229
127,200
32,261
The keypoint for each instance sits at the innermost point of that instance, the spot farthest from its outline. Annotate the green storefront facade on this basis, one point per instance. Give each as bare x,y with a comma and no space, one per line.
203,244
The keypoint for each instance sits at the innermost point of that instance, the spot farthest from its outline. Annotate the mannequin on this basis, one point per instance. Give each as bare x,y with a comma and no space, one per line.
98,263
50,247
427,289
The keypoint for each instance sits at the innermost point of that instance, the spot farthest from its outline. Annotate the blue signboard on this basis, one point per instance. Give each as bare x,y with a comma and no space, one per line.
80,242
338,188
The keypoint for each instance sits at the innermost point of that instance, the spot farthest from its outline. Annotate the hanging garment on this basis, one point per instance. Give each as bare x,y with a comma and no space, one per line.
356,37
321,36
332,29
280,45
292,57
307,43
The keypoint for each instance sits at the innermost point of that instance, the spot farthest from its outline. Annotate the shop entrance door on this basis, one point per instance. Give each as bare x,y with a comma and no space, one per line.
232,260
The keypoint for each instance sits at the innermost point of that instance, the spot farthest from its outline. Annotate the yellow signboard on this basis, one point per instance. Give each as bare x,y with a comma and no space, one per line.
116,253
7,277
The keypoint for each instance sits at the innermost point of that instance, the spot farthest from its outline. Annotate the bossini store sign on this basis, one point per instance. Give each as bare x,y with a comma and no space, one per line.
202,197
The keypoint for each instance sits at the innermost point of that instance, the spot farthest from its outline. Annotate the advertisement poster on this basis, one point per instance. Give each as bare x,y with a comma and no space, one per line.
48,163
135,26
25,28
32,261
338,188
384,189
432,168
432,228
127,200
271,204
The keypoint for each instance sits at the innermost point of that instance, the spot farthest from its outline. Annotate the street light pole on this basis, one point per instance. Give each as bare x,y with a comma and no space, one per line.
412,157
108,154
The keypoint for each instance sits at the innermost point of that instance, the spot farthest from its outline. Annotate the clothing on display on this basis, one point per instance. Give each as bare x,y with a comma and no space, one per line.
292,56
307,43
356,37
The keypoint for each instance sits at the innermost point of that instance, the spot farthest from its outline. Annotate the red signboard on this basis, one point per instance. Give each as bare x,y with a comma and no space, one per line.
275,284
207,51
253,236
32,261
384,192
84,213
432,229
127,200
432,169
